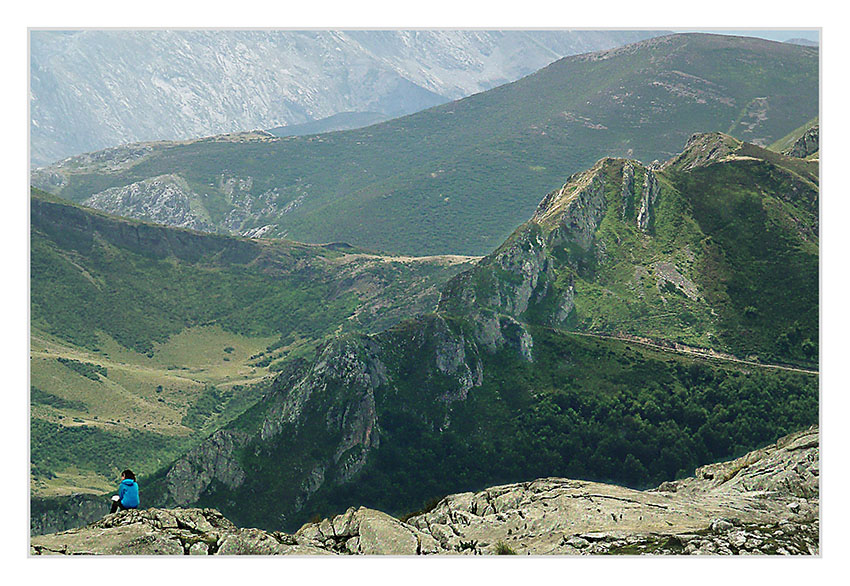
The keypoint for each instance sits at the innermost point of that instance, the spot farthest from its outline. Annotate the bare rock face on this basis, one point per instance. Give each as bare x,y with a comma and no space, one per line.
764,503
169,532
369,532
647,200
212,460
703,149
166,199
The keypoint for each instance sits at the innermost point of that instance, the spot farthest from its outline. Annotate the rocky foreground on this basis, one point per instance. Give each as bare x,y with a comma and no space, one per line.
763,503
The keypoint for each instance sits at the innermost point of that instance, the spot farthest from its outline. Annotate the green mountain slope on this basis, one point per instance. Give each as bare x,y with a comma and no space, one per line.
717,248
145,338
787,143
459,177
341,121
494,387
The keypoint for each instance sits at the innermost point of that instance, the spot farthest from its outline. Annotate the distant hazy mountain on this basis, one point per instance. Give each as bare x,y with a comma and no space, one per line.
803,42
341,121
95,89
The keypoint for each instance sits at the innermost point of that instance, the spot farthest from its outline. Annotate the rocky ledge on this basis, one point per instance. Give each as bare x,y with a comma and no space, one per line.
765,502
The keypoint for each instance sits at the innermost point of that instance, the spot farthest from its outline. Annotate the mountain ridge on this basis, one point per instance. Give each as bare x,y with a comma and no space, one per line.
409,185
188,83
620,211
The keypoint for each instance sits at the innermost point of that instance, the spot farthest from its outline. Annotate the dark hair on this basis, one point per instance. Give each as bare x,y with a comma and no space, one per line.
129,474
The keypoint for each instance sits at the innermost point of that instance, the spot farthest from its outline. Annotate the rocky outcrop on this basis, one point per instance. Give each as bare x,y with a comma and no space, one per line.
806,145
213,460
166,199
576,210
703,149
648,197
521,276
347,362
169,532
366,531
764,503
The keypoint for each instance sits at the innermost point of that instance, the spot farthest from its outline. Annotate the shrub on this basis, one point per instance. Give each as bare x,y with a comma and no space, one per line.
503,548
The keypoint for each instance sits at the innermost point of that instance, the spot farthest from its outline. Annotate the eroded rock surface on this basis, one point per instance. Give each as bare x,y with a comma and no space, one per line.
760,503
765,502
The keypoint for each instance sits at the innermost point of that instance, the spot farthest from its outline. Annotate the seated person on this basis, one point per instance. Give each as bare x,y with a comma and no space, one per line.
128,493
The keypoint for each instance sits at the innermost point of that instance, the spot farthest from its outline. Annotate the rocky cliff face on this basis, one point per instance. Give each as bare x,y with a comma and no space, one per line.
531,277
319,428
49,515
165,200
764,503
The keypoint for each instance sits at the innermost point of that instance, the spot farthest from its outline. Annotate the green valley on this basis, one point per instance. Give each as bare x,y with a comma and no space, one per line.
146,338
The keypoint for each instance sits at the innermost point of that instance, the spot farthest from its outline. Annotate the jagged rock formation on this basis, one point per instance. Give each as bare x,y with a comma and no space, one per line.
211,461
328,415
765,502
703,149
806,145
165,200
168,532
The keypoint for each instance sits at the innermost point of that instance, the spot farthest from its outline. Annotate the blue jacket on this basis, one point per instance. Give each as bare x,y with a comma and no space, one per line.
128,490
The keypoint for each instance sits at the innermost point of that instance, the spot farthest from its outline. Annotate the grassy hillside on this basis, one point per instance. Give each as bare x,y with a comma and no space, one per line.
787,141
459,177
341,121
145,338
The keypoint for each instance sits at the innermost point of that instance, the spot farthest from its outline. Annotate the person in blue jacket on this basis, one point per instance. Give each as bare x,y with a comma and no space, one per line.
128,493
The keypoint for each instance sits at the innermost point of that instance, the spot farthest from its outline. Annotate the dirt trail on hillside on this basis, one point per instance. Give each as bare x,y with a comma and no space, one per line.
692,351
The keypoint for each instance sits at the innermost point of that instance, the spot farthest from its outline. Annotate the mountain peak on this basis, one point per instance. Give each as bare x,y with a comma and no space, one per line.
704,148
552,207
